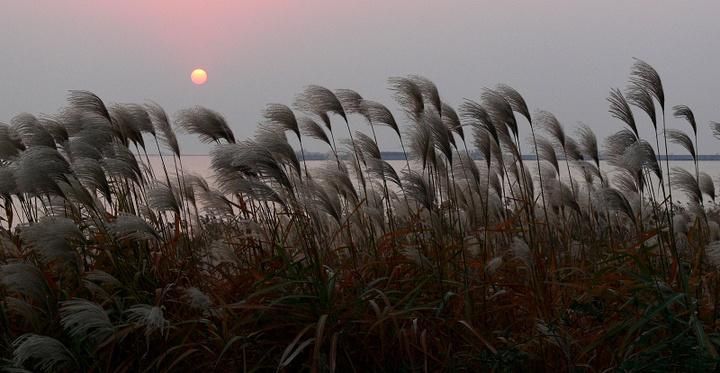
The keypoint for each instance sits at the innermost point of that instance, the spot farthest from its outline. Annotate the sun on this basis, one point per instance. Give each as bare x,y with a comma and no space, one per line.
199,76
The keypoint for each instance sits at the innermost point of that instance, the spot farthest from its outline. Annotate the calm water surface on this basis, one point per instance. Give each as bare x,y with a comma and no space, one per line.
201,165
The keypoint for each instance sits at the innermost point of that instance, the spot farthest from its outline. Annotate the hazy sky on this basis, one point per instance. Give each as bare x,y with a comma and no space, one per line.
562,55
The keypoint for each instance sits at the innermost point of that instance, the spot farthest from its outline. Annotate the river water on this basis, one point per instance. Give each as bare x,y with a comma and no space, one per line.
200,165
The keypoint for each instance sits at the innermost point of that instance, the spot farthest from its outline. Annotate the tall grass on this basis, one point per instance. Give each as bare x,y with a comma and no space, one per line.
110,264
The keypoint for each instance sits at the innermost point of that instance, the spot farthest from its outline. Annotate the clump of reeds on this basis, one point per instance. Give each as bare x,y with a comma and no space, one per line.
110,263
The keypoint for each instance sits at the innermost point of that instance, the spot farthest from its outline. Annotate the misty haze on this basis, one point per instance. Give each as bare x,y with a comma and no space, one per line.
359,186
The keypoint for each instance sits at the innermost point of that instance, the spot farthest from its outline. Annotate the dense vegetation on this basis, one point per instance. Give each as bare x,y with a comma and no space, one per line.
107,264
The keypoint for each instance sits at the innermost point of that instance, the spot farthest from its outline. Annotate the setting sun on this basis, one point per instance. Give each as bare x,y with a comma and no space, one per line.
198,76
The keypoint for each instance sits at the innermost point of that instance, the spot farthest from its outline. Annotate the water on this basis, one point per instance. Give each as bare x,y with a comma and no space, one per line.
200,165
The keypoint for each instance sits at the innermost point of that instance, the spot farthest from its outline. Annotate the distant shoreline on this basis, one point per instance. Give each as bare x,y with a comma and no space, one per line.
399,156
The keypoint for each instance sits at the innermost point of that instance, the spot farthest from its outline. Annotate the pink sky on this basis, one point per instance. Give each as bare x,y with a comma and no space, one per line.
563,55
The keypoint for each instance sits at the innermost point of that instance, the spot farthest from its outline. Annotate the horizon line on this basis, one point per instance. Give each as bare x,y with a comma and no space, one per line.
399,156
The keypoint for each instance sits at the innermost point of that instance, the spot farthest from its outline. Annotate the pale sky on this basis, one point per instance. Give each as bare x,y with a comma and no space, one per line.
562,55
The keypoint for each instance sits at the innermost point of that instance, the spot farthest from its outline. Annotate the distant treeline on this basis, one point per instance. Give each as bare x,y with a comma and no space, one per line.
399,156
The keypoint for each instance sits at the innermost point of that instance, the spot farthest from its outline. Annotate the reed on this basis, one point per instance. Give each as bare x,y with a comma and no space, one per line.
110,264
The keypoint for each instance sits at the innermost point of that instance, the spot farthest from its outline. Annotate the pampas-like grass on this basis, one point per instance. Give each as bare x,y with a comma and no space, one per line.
26,280
10,142
31,131
686,182
620,109
150,318
354,264
501,113
208,125
86,320
682,111
680,138
320,101
639,97
42,353
379,114
409,95
163,127
313,130
707,186
588,144
131,227
646,77
283,116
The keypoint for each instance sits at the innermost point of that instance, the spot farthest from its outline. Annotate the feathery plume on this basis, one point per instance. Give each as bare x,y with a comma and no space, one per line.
642,99
310,128
418,189
442,137
7,181
127,126
91,174
338,178
682,111
686,182
380,115
452,121
351,101
367,145
89,102
476,116
209,125
52,238
160,197
84,319
517,102
550,123
276,145
25,279
55,129
320,101
195,298
715,126
429,91
644,76
42,353
620,109
546,152
707,185
31,132
615,201
588,143
39,169
409,95
151,318
10,143
680,138
120,162
327,201
133,228
501,113
420,143
163,127
283,116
